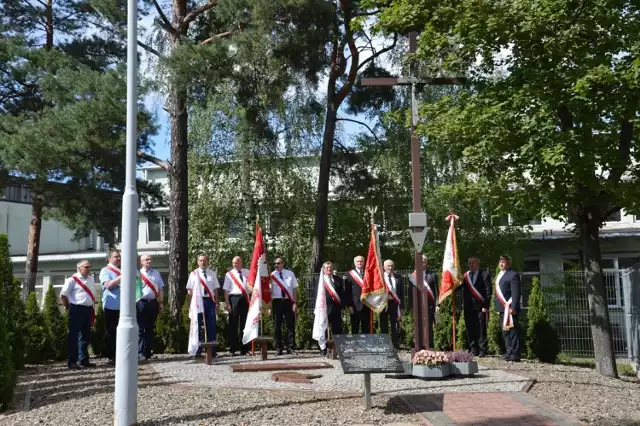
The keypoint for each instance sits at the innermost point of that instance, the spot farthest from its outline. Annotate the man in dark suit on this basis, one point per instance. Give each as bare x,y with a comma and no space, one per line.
360,313
337,298
508,291
431,290
395,304
476,294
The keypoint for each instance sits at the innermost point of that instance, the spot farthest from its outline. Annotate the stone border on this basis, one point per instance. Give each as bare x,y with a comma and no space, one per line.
527,386
40,370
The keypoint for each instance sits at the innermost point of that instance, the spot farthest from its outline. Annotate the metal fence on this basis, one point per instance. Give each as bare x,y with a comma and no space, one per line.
566,298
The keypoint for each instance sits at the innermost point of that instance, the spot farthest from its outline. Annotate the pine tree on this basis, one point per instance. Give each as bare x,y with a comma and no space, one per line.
13,305
541,337
36,338
56,325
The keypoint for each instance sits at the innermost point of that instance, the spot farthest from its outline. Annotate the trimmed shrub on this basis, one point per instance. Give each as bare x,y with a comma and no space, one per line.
222,331
461,334
407,330
7,368
442,330
168,339
56,325
494,331
541,337
97,332
304,328
36,338
16,329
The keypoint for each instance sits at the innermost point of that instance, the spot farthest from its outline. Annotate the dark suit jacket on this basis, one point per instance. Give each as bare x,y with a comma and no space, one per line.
399,289
483,285
339,285
354,289
511,289
432,280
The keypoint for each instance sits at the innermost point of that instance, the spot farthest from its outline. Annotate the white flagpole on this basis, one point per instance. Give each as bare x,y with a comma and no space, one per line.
125,412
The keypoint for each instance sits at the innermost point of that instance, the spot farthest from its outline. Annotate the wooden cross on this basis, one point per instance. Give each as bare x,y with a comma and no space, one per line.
420,300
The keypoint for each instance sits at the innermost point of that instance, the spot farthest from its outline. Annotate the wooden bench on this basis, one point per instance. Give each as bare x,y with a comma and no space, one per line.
332,353
264,342
208,354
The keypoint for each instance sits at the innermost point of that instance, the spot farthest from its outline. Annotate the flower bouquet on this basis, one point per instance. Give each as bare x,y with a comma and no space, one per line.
462,363
430,364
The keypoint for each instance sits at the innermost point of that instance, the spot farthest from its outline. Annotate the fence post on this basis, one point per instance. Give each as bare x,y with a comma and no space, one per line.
631,306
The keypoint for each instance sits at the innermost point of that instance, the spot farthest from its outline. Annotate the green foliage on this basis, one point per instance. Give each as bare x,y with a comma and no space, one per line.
407,329
56,325
7,367
17,327
304,329
167,338
442,329
36,338
461,334
494,330
541,337
97,332
222,331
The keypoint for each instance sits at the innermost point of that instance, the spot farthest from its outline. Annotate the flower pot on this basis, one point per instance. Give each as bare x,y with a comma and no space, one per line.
408,367
464,368
431,371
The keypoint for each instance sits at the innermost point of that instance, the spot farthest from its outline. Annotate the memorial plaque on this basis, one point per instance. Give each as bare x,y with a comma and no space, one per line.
367,353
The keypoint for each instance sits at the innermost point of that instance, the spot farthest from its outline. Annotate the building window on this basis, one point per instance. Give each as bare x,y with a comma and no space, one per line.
158,228
637,218
18,194
118,233
235,228
615,217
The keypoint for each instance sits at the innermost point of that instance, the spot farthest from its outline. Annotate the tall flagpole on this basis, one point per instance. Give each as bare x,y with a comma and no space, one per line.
125,413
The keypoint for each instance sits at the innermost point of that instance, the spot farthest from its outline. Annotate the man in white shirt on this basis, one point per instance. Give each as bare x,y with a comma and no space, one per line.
236,295
284,293
78,298
208,280
149,306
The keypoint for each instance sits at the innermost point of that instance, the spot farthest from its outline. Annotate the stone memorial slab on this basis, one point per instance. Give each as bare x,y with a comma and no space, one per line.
367,353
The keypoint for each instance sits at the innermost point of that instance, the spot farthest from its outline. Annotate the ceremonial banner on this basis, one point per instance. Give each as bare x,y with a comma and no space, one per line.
451,277
139,286
320,320
374,291
258,274
195,307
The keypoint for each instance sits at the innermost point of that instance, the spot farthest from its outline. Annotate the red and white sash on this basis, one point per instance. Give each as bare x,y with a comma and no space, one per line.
93,298
280,284
148,283
426,286
390,290
113,269
238,284
475,293
507,322
356,277
204,284
332,291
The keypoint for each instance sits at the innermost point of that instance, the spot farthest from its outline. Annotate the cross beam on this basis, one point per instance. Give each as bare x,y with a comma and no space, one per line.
420,300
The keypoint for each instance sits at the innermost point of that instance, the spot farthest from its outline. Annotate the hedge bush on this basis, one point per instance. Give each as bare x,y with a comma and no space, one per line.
56,326
167,338
442,330
541,337
16,328
7,368
494,331
461,334
36,338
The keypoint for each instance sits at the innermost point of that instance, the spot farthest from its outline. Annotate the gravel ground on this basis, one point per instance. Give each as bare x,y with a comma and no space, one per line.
220,376
86,398
580,392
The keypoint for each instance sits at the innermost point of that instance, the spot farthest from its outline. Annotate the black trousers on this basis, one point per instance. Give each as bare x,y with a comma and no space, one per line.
79,334
111,319
390,315
335,321
511,338
147,315
476,322
237,321
283,312
360,321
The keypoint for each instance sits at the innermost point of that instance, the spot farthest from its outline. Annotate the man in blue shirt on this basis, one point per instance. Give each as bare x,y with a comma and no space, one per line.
110,280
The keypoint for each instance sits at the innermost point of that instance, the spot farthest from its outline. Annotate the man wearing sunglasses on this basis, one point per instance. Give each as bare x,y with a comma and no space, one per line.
284,293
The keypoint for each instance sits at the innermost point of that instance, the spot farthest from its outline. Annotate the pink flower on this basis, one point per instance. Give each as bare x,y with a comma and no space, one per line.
425,357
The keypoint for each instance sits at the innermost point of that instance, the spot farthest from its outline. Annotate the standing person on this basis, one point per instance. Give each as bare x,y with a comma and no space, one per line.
236,295
336,297
360,313
395,304
508,291
78,299
431,288
110,280
476,296
205,277
284,293
149,307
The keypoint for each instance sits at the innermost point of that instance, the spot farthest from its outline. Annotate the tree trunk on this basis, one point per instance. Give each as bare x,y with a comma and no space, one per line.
49,25
178,204
596,294
322,197
33,246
